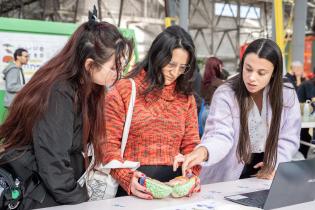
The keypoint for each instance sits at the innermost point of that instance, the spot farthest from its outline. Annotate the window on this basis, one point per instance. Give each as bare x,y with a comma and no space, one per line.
230,10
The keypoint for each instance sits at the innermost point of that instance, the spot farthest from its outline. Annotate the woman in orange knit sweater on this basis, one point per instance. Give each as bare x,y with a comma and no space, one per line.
164,122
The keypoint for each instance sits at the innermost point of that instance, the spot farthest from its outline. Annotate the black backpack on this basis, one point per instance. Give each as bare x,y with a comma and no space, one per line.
20,184
11,190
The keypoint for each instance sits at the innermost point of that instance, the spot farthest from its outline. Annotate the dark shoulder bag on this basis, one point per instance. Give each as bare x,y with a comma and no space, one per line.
20,185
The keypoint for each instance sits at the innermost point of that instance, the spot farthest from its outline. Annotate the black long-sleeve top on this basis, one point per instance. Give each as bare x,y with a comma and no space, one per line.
306,91
58,147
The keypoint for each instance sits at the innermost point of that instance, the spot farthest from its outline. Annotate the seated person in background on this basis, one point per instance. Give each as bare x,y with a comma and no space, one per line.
164,121
306,91
210,82
255,121
296,76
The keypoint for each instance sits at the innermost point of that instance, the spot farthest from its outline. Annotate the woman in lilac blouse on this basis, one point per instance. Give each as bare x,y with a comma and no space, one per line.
254,121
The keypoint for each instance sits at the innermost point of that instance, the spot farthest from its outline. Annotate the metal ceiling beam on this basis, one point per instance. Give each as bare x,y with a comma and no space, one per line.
183,14
120,11
76,11
299,31
11,5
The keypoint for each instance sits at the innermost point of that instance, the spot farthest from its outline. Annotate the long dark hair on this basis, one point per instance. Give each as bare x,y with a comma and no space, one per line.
160,54
269,50
95,40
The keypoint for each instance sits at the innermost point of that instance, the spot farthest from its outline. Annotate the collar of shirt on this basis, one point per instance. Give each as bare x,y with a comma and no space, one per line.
258,127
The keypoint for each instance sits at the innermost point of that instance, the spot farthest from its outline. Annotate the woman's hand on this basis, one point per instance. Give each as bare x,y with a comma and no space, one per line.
190,160
137,189
179,159
196,188
263,175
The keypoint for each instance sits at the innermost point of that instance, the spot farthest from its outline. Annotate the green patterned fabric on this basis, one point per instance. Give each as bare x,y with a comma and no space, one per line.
162,190
184,189
157,189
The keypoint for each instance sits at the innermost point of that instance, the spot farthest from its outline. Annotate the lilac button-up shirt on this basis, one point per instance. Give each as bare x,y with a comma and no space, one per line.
222,133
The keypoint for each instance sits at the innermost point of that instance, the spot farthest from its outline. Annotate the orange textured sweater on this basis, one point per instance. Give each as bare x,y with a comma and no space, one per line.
163,125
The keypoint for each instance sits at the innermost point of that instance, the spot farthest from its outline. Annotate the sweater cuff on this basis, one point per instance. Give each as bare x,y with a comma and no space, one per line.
123,177
211,159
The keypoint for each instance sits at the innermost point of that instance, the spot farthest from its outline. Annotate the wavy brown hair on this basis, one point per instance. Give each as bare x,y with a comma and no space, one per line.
95,40
269,50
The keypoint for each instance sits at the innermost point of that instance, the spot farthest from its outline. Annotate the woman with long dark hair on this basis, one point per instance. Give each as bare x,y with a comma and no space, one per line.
61,110
164,121
254,120
210,82
211,78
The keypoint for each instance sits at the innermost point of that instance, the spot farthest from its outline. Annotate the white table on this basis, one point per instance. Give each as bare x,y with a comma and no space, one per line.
302,206
215,192
308,124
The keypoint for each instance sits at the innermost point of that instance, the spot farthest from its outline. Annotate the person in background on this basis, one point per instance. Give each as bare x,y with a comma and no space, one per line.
197,87
164,121
14,76
210,82
61,110
255,121
296,77
306,91
224,74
